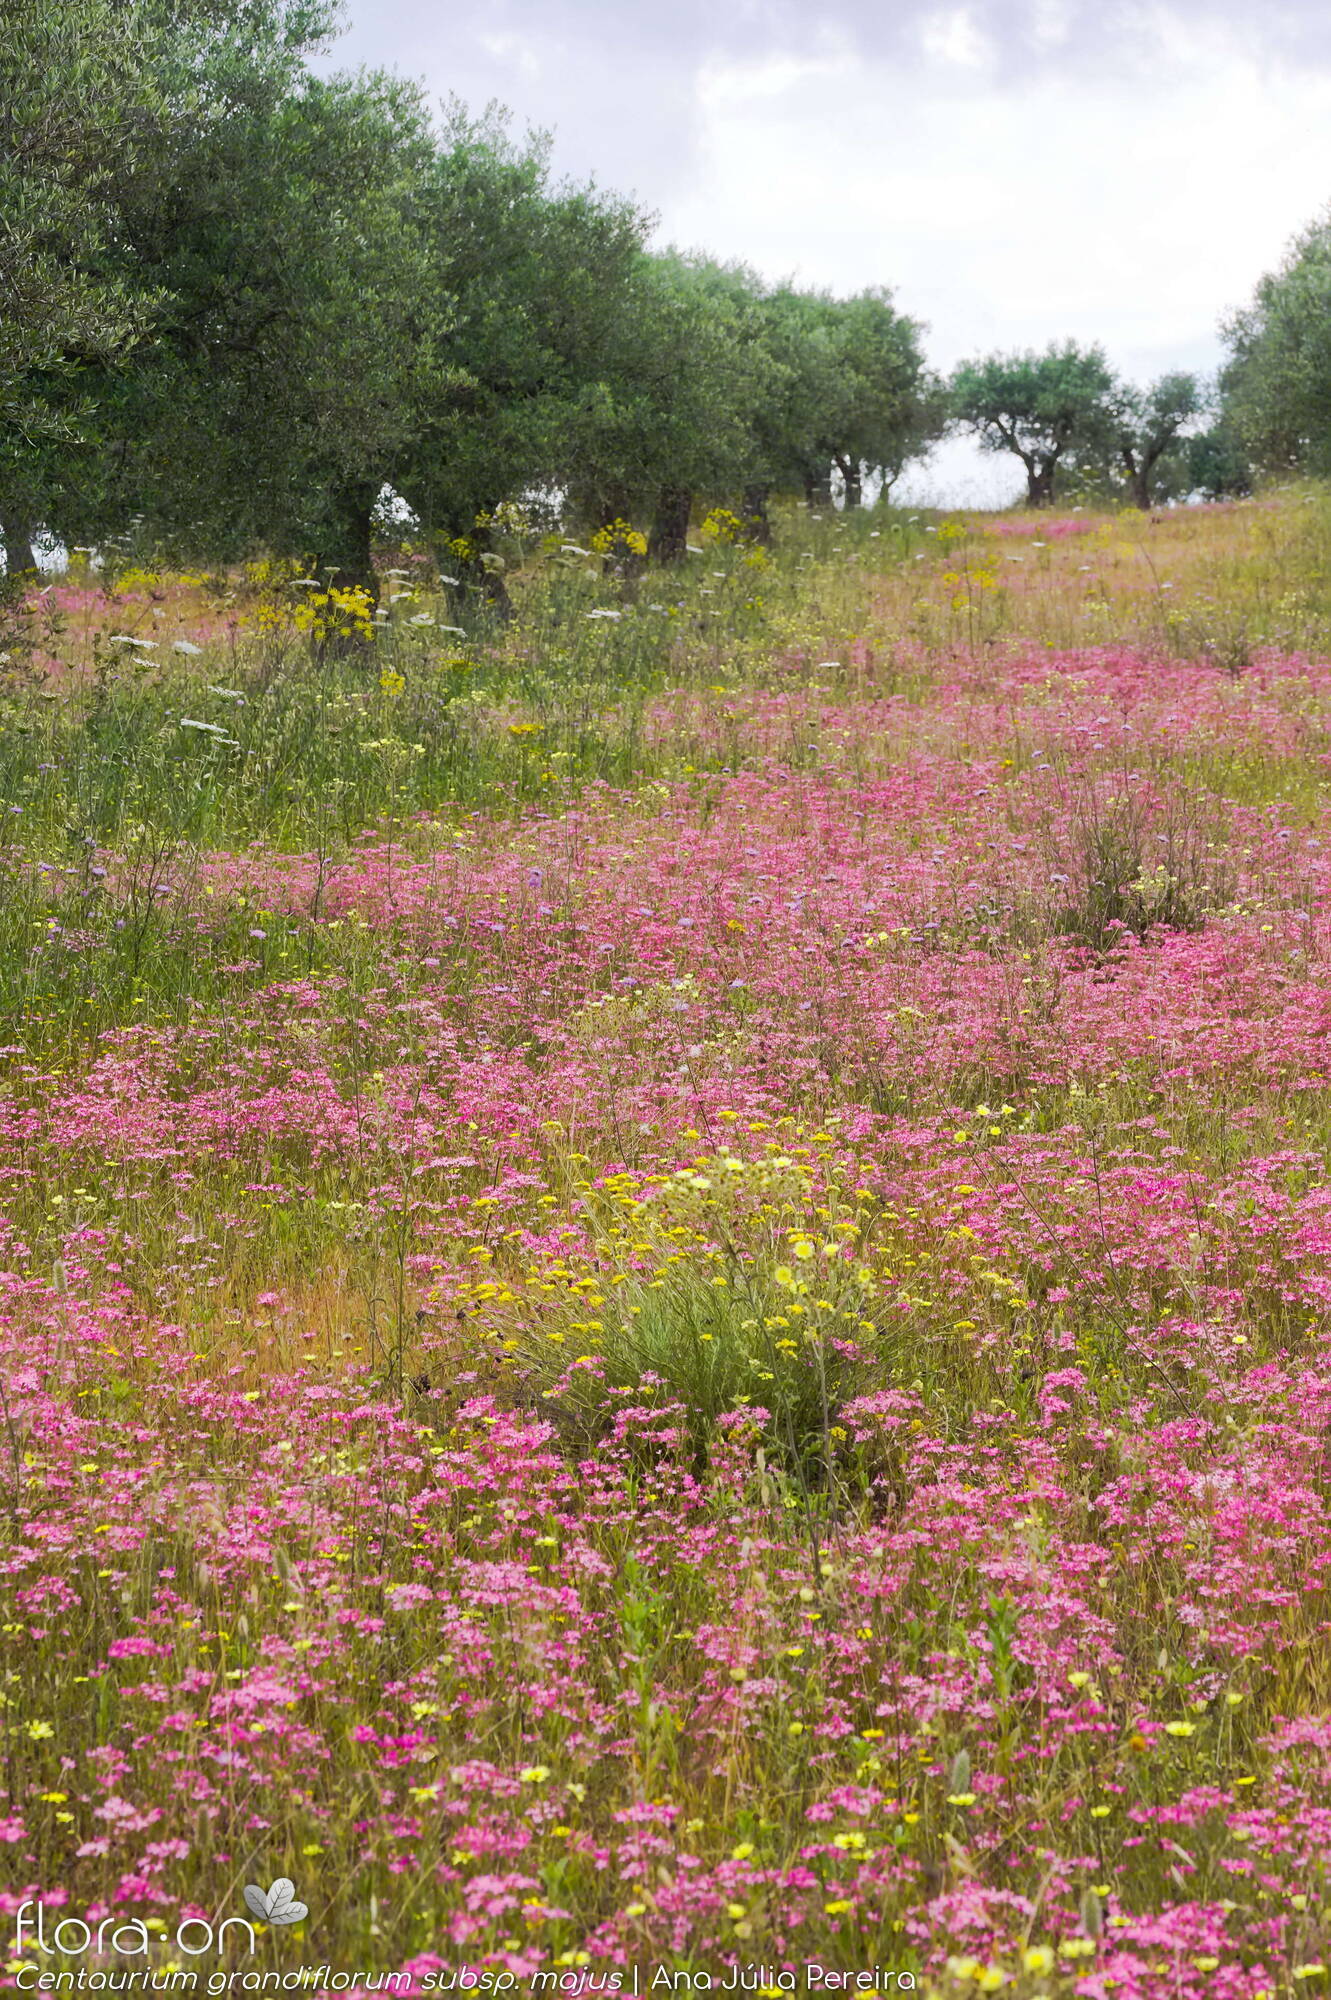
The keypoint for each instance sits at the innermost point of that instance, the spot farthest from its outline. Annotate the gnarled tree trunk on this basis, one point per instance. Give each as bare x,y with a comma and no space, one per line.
852,478
20,556
1138,469
753,515
350,551
1040,482
591,507
670,529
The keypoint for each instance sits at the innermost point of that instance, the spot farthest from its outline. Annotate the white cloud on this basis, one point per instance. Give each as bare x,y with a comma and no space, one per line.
512,49
952,36
1009,217
722,85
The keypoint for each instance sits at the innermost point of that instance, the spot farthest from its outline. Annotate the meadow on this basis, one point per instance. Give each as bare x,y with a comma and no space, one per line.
666,1267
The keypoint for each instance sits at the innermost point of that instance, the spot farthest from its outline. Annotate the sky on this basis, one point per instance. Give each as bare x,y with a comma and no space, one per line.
1017,171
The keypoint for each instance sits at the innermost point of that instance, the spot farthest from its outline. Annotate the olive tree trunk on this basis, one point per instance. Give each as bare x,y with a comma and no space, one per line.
670,528
818,487
852,479
20,556
350,551
754,517
1040,482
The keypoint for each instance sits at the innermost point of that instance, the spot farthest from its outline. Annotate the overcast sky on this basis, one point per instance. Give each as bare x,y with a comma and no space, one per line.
1018,171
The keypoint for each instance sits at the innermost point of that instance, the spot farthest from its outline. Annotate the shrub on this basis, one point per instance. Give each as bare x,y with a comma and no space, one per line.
712,1351
1141,863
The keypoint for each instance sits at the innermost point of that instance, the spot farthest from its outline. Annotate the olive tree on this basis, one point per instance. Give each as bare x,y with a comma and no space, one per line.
1039,407
291,341
526,288
1276,387
1149,425
671,417
101,101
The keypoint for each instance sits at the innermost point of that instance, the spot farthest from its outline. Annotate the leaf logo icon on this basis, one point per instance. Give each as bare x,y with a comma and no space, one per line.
278,1906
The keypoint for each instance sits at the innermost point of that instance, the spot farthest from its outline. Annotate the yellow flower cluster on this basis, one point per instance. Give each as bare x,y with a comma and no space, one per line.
619,538
270,573
722,526
131,581
336,614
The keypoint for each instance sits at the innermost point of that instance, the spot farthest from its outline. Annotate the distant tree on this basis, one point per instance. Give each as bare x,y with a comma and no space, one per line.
850,393
791,419
671,418
759,373
1040,407
1148,425
345,299
1218,466
696,337
924,420
1276,388
528,289
888,408
351,300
